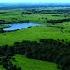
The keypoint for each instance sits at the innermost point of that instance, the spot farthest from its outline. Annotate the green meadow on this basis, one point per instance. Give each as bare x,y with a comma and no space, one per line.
34,34
12,16
32,64
55,31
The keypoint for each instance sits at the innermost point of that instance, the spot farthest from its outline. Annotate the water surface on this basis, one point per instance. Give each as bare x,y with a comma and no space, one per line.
17,26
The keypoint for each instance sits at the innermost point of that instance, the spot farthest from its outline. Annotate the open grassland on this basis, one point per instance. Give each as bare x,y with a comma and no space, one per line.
49,31
19,16
32,64
36,33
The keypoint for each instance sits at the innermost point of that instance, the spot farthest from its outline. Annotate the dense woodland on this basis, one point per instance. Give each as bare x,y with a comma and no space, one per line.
56,51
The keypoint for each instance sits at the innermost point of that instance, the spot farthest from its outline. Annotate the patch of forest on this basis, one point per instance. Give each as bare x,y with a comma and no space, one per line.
57,51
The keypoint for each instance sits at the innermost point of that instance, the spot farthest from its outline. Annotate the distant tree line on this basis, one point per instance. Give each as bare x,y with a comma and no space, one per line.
58,20
51,11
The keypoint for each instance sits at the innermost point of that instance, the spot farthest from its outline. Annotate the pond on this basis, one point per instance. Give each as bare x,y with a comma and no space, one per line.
16,26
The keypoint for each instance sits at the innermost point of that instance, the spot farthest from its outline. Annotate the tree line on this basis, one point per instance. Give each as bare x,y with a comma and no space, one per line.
57,51
58,20
46,11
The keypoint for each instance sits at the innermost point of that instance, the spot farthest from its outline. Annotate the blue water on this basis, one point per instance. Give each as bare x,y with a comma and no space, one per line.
16,26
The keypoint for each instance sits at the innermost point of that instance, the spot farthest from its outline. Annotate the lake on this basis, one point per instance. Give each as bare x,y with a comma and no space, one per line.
16,26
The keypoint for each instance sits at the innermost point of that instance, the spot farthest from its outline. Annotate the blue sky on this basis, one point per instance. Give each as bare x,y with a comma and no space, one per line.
34,1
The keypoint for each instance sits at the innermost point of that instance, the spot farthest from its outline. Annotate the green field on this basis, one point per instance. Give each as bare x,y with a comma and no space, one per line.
56,31
32,64
36,33
12,16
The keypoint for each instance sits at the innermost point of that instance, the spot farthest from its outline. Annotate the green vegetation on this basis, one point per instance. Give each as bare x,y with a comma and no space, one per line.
57,31
1,67
32,64
34,33
11,16
53,46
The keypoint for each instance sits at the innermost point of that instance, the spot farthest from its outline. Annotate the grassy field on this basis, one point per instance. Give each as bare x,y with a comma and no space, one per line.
36,33
49,31
32,64
17,16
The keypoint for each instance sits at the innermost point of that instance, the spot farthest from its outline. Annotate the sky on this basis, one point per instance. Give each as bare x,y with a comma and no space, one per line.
34,1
